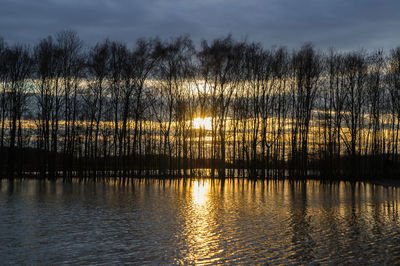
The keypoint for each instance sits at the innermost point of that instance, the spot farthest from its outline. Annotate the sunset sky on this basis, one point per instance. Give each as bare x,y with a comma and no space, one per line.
343,24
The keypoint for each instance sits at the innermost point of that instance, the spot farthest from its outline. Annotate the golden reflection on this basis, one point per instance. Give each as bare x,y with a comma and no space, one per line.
200,192
201,233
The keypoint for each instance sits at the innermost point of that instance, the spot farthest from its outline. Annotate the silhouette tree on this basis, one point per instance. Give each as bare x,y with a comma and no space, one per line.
307,68
393,81
220,67
110,110
18,63
47,72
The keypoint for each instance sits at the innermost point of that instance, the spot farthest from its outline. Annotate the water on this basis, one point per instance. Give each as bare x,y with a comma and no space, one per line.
198,221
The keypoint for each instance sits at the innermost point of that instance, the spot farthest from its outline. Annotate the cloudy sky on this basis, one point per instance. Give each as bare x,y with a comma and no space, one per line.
343,24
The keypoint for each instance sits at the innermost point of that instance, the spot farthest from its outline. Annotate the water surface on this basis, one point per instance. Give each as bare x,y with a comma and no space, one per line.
198,221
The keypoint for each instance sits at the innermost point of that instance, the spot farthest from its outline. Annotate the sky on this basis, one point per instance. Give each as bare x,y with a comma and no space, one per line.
339,24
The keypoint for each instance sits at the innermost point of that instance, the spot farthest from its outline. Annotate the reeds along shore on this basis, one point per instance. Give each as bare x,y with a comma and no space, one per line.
167,108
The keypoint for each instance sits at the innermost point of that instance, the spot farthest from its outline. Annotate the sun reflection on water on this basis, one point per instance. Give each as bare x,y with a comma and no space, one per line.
200,221
201,233
200,192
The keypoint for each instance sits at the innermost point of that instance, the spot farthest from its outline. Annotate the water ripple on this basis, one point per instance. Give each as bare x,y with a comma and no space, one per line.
198,221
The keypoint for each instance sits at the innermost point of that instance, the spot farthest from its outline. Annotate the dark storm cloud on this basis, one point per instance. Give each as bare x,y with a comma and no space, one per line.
342,24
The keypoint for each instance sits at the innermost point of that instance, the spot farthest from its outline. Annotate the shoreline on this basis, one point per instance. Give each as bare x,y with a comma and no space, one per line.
387,182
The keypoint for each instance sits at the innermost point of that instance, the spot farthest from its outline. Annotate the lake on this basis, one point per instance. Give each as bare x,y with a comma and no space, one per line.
198,221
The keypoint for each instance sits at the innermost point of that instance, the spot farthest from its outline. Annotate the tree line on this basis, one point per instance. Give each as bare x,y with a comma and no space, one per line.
111,110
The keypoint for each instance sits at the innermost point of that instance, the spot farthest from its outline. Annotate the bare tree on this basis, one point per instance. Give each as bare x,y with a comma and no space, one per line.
98,73
393,79
307,69
47,68
3,100
355,77
71,66
221,65
124,112
18,64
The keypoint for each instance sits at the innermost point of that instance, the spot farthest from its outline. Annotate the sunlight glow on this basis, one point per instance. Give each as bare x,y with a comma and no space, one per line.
202,123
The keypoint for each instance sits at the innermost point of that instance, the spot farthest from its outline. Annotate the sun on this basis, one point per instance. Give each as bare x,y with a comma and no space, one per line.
202,123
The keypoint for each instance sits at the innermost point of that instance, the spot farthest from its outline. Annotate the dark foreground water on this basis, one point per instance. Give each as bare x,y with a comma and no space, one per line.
198,221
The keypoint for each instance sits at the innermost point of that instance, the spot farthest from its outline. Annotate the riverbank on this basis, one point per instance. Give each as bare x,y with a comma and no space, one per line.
387,182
